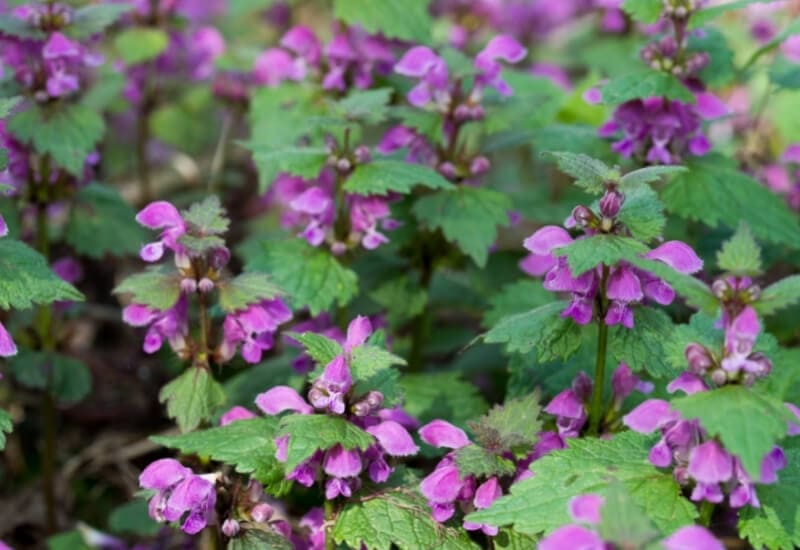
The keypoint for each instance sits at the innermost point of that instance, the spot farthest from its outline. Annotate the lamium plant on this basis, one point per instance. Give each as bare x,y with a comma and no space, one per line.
408,274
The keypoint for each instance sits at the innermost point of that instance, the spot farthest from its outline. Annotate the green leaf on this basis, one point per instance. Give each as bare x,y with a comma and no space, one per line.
695,291
740,255
518,297
312,277
398,518
641,84
405,19
715,192
705,15
320,348
133,518
589,173
747,423
279,116
372,368
139,44
508,539
69,540
642,213
623,522
539,504
648,174
512,426
776,524
306,162
255,537
94,19
14,26
701,329
720,69
780,295
246,289
642,346
192,398
6,427
67,132
402,298
206,218
7,104
26,279
585,254
156,288
441,395
542,329
645,11
468,217
66,378
311,432
785,74
514,113
474,460
382,176
247,445
369,106
101,222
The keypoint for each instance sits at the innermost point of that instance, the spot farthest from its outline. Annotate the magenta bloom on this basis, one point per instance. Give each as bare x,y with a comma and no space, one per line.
171,325
161,215
253,329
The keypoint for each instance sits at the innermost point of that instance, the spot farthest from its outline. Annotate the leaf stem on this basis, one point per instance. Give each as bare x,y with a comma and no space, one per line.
201,357
330,512
596,406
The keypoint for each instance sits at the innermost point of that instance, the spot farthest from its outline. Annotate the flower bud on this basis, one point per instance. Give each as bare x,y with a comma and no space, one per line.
583,216
230,527
753,293
188,286
719,377
748,379
374,399
611,203
720,288
763,362
698,357
362,154
462,112
182,261
261,512
343,165
205,285
479,165
447,169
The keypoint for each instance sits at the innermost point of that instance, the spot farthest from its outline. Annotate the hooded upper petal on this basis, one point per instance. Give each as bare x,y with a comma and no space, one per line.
546,239
679,256
586,508
441,433
394,438
710,463
650,416
163,473
282,398
692,537
158,215
358,331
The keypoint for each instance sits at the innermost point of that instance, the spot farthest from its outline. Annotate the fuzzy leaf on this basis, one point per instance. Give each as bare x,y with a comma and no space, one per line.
306,162
468,217
740,255
67,378
402,298
311,432
246,289
518,297
15,26
321,348
539,504
648,174
67,132
589,173
26,279
312,277
644,11
643,84
139,44
247,445
441,395
192,398
700,329
382,176
156,288
748,424
6,427
370,106
7,104
474,460
372,368
94,19
643,213
585,254
780,295
508,539
696,292
715,192
255,537
101,222
207,217
542,329
641,347
398,518
512,426
403,19
623,523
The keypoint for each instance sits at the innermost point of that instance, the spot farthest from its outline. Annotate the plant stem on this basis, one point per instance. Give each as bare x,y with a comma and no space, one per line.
220,153
330,512
422,322
596,406
706,512
201,358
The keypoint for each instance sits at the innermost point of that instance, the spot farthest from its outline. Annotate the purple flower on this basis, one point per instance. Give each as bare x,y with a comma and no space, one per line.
7,346
586,508
171,325
485,495
422,63
570,413
356,55
441,433
234,414
161,215
340,462
393,438
623,382
572,537
709,463
282,398
504,48
692,537
253,328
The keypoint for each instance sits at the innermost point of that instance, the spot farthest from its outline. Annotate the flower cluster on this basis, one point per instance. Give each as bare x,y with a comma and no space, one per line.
352,57
51,65
586,512
784,177
7,345
332,393
625,285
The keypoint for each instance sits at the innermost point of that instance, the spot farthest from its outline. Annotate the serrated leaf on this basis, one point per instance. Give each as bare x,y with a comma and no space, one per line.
67,132
585,254
542,329
785,74
7,104
101,222
641,347
372,368
644,84
740,255
643,214
279,116
474,460
700,329
139,44
306,162
467,216
16,26
382,176
512,426
645,11
156,288
747,423
780,295
508,539
26,279
94,19
622,521
369,106
246,289
255,537
405,19
589,173
206,218
311,277
776,524
66,378
247,445
441,395
648,174
696,293
518,297
6,427
320,348
539,504
714,192
311,432
398,518
401,297
192,398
